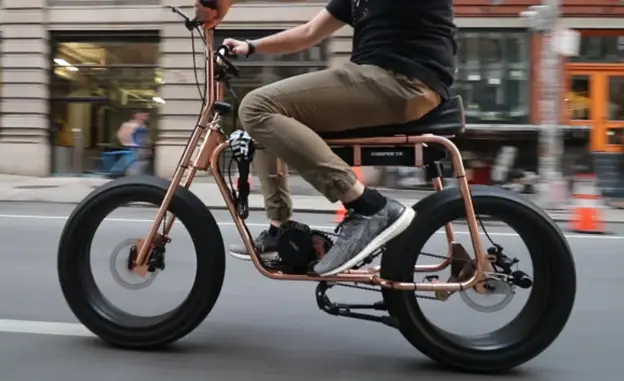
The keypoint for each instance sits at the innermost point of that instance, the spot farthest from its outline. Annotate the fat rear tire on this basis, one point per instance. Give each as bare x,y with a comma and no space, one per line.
87,302
541,320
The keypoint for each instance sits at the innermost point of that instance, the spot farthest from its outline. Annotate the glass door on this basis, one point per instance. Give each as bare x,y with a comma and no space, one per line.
594,97
76,125
613,119
580,101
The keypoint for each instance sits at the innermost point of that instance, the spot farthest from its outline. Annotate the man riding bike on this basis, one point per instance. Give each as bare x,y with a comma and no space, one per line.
401,68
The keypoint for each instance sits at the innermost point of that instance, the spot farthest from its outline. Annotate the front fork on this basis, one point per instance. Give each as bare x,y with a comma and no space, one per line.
213,137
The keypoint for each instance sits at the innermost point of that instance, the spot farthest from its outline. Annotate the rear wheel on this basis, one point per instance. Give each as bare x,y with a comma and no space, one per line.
88,303
539,322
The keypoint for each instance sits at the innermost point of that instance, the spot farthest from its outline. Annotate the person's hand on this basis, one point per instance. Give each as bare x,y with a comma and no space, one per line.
240,48
212,17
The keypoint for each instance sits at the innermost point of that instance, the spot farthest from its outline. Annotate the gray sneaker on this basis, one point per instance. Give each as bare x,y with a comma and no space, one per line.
266,244
359,237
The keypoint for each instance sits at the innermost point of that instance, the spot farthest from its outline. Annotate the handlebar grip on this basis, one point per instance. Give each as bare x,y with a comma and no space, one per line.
211,4
226,51
222,55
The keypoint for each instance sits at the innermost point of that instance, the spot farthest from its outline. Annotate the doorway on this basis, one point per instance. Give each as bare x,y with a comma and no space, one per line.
79,130
595,98
99,80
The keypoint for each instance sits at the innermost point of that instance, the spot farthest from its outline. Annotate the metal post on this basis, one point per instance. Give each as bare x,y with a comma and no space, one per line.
78,153
543,19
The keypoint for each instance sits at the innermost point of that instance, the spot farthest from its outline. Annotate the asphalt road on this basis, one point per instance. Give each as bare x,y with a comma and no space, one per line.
262,329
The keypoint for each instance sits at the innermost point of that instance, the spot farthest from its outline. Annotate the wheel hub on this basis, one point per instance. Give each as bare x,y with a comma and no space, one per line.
122,265
490,301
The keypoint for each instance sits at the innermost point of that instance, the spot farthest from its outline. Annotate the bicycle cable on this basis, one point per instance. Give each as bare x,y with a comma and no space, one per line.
226,165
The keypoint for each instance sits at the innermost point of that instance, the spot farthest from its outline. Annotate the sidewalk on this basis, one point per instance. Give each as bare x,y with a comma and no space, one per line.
72,190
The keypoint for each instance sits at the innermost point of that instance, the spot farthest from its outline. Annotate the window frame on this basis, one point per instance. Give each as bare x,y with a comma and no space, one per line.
127,37
513,111
604,38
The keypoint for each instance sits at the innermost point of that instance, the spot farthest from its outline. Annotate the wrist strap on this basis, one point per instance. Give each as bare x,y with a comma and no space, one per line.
251,48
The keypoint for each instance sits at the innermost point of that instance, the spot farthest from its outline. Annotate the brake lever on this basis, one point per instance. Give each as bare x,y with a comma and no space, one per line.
179,12
192,24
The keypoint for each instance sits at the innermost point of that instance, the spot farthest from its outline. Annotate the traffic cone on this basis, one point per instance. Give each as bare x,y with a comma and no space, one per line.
342,212
587,206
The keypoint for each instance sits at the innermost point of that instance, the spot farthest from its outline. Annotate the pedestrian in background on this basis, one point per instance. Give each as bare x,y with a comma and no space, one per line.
134,135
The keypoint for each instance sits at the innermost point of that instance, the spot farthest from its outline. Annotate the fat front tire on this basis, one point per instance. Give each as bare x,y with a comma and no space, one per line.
87,302
541,320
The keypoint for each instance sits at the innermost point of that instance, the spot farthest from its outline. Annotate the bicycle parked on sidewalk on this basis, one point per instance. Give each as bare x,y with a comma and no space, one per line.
422,143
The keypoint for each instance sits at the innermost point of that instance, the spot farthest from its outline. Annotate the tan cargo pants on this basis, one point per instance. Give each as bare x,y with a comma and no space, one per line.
284,116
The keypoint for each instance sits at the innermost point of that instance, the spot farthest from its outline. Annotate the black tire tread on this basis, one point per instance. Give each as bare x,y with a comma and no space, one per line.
208,242
431,214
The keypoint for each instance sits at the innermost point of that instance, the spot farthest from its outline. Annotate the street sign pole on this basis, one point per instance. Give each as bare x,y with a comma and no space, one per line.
551,145
543,19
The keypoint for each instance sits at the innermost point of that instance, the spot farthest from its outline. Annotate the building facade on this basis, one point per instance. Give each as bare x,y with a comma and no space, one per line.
71,71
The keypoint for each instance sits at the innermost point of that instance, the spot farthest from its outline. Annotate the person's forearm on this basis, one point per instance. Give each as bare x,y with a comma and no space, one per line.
289,41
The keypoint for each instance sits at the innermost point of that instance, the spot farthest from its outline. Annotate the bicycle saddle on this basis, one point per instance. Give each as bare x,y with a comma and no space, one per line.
445,120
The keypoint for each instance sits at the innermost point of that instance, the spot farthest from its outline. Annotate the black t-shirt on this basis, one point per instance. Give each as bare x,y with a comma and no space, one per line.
415,38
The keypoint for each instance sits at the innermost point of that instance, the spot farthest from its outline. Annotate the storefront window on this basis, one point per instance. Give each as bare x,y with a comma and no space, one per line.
97,84
259,70
578,98
493,76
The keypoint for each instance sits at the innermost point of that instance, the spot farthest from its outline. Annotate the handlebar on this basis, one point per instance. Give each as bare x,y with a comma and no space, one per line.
223,54
188,22
179,12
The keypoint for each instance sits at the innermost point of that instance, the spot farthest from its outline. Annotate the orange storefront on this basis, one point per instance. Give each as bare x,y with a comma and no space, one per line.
594,93
593,82
594,79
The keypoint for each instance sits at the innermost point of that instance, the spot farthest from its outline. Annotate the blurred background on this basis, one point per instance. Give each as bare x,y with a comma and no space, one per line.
72,71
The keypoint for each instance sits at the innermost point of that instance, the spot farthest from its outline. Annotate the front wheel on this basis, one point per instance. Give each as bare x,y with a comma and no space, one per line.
538,323
88,303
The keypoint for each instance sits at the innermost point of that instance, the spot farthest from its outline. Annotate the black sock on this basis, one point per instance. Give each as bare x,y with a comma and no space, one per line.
273,230
369,203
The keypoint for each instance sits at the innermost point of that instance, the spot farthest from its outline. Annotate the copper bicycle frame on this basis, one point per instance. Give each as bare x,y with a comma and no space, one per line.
214,143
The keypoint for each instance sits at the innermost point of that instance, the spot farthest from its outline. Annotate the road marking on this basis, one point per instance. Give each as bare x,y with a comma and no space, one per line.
319,227
44,328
